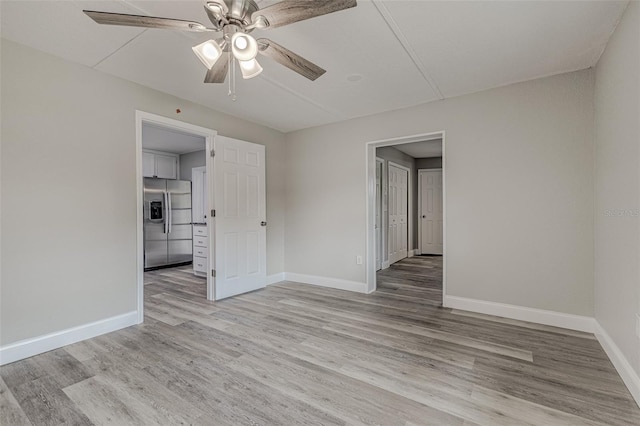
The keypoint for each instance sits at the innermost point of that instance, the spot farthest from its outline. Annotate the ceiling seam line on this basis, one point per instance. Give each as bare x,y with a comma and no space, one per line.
118,49
127,4
334,113
402,39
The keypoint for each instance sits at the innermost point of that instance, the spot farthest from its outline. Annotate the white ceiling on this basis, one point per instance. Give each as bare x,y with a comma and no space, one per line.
170,140
425,149
407,52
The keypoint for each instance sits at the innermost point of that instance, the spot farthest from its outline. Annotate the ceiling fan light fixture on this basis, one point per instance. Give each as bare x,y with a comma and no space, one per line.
250,68
244,47
236,19
208,52
241,43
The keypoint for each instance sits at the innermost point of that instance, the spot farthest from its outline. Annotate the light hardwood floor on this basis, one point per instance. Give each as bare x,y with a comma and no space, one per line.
296,354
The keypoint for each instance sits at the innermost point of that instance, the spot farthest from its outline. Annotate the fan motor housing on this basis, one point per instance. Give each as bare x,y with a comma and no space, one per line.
237,10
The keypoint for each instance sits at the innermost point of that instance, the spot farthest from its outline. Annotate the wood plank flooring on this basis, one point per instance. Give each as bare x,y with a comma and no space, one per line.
294,354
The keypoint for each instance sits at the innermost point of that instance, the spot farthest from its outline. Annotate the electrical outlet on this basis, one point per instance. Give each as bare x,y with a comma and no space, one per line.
359,260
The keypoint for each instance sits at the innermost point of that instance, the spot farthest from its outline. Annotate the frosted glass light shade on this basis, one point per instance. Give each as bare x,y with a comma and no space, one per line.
244,47
250,68
208,52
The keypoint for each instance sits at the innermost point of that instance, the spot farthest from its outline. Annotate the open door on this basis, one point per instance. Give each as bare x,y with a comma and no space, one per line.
240,222
397,236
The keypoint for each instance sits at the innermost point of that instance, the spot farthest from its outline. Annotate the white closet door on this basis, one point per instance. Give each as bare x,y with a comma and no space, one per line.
398,213
430,187
240,222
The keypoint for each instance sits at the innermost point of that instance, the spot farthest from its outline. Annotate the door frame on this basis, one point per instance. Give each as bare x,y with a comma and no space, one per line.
382,216
418,210
142,117
410,213
370,181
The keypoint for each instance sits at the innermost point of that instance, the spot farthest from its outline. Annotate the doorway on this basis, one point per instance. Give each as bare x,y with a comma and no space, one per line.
430,216
404,145
165,235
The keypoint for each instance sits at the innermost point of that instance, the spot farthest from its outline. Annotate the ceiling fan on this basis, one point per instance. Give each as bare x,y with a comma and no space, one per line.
236,19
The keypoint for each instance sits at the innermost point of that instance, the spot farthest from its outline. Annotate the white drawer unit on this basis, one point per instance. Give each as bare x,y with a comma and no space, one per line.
199,231
200,241
200,250
199,265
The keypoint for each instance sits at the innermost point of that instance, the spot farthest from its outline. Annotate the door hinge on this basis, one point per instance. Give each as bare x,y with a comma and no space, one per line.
213,213
213,153
213,273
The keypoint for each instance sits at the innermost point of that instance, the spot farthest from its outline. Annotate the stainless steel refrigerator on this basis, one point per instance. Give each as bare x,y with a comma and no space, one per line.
167,222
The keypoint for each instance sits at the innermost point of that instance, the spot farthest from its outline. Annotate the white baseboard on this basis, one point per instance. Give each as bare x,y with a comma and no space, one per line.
620,362
539,316
386,264
411,253
275,278
37,345
327,282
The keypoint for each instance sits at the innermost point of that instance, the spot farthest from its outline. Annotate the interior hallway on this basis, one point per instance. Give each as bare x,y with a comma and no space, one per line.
300,354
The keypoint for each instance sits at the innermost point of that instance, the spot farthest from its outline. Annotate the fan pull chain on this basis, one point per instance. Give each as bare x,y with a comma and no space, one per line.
232,78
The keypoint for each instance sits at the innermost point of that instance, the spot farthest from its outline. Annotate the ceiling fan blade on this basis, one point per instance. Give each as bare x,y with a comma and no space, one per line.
218,73
290,11
285,57
144,21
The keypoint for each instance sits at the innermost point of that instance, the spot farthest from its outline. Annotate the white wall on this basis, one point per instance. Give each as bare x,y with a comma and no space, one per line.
68,190
519,176
191,160
617,224
429,163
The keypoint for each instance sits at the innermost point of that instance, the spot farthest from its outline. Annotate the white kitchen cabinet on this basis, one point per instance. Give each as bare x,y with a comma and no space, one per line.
199,200
163,166
200,250
148,164
166,167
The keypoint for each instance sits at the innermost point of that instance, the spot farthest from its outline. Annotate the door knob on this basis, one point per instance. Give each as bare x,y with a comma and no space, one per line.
263,223
424,217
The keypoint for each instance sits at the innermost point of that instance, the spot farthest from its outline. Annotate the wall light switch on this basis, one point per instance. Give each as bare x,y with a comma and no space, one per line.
359,260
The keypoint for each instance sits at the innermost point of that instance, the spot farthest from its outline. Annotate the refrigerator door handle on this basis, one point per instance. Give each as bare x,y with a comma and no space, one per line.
170,215
166,212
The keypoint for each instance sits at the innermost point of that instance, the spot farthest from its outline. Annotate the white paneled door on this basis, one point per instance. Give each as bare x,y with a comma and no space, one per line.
398,213
240,222
430,189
